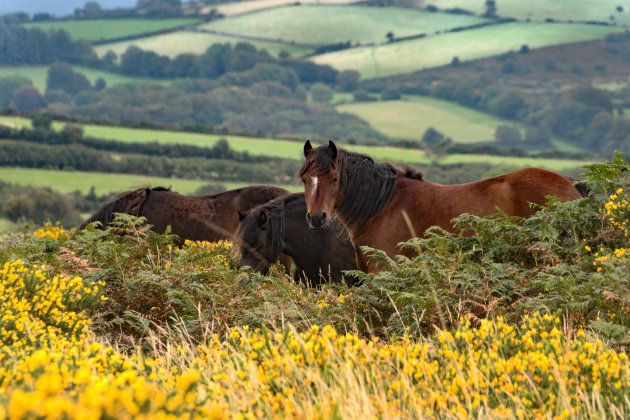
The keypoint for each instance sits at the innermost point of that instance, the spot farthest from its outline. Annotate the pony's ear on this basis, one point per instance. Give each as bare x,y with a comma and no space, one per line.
262,219
332,150
307,148
241,216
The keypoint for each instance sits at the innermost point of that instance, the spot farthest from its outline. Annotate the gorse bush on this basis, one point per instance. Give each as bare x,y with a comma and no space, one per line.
511,318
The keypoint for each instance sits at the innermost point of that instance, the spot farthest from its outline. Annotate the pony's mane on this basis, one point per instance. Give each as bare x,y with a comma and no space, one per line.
128,202
275,224
366,186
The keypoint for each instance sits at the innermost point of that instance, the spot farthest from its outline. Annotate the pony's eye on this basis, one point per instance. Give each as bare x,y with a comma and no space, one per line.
303,181
335,179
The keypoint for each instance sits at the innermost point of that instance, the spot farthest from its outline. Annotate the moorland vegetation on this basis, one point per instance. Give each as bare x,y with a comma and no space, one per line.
524,318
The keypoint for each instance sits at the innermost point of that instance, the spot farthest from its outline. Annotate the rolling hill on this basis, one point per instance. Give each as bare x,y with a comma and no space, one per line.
417,54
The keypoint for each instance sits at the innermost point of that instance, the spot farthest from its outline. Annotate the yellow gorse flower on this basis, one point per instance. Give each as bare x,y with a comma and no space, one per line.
52,232
54,367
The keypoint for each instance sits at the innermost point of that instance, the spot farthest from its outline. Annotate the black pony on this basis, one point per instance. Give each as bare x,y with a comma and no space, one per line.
196,217
280,227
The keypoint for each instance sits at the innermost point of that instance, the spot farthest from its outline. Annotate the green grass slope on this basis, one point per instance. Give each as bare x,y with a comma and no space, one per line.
181,42
409,56
328,24
238,7
410,118
101,29
38,75
104,183
599,10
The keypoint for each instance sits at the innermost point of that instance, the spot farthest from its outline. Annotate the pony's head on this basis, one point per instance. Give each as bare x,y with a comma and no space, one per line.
259,237
321,177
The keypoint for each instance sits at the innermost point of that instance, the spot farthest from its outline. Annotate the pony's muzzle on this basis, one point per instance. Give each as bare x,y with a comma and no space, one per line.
316,220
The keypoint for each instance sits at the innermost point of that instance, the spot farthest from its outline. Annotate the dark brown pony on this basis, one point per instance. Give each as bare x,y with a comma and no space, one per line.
280,227
195,217
382,206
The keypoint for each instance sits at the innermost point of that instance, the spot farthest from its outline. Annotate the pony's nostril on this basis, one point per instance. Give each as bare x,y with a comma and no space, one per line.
323,217
309,219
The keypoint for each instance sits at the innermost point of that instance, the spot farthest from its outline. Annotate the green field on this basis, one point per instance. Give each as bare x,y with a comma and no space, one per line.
38,75
410,118
599,10
104,183
180,42
102,29
408,56
239,7
293,149
321,25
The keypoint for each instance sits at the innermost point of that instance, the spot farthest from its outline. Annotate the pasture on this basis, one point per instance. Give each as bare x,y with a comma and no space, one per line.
239,7
103,29
38,75
293,149
320,25
180,42
411,117
417,54
600,10
103,183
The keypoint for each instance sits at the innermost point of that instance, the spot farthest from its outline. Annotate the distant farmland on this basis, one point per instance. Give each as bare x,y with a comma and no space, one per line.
409,56
180,42
316,24
293,149
598,10
105,183
100,29
38,75
238,7
409,119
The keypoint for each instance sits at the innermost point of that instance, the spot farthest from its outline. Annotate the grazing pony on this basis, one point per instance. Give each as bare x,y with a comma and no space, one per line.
196,217
381,206
280,227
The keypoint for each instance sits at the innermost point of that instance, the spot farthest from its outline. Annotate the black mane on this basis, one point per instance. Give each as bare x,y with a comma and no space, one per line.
275,220
366,186
128,202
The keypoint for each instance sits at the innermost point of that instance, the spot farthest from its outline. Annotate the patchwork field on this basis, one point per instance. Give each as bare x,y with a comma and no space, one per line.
104,183
101,29
293,149
239,7
38,75
181,42
600,10
329,24
409,56
410,118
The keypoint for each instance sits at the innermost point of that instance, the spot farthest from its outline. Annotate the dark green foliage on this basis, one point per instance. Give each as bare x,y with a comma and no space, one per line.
27,99
321,93
8,86
35,204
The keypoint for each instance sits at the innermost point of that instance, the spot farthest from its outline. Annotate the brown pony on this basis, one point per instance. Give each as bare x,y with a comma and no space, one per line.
381,206
195,217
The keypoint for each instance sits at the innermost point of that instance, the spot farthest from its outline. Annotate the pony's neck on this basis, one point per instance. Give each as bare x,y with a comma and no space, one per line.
366,189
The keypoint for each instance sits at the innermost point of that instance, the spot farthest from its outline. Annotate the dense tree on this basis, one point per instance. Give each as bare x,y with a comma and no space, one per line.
28,99
348,80
60,76
8,86
41,122
507,135
321,93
